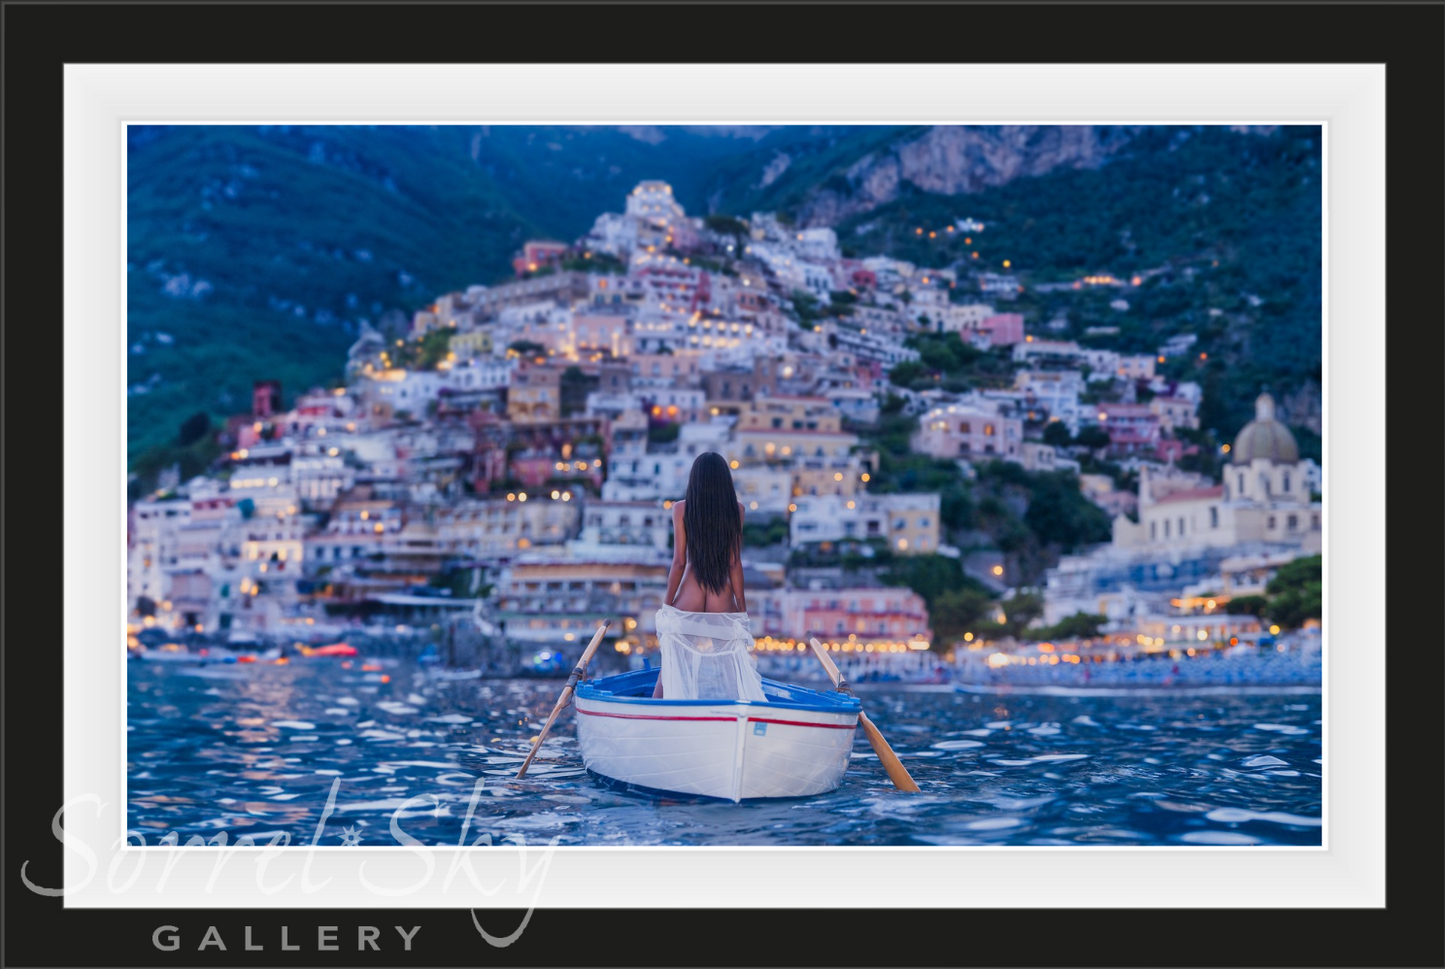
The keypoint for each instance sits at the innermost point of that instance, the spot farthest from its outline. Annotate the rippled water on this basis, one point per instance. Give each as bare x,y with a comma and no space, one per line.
256,749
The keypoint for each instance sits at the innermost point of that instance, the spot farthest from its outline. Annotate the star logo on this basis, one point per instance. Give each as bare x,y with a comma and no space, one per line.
350,837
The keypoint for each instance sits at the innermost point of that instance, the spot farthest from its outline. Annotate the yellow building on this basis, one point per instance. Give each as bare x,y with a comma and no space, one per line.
790,414
1266,496
840,476
535,394
475,343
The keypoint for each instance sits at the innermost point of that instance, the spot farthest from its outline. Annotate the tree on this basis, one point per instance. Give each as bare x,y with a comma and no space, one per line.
193,428
1058,513
1296,592
765,533
1092,437
1021,610
575,385
907,373
957,611
433,348
663,433
931,576
807,307
1247,606
1081,625
726,225
1057,434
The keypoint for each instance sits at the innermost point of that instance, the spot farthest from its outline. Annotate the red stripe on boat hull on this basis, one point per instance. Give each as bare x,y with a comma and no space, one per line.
790,723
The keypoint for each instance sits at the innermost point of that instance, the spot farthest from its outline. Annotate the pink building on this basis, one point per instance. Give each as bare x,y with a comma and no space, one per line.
883,614
1003,329
535,255
863,279
1132,428
972,431
1172,449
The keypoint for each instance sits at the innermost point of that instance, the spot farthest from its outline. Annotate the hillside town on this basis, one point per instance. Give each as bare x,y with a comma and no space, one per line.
511,460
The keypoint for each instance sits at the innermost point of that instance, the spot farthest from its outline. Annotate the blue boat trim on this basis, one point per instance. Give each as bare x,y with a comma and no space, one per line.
636,688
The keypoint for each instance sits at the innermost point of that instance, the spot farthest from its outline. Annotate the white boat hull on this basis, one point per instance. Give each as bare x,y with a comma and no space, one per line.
732,750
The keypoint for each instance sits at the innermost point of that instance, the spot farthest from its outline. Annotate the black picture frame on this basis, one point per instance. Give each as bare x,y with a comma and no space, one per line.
840,924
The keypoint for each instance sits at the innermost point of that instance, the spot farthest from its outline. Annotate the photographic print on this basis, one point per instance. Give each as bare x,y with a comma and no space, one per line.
741,485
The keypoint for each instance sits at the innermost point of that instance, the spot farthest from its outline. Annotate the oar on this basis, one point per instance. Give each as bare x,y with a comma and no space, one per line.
897,773
577,673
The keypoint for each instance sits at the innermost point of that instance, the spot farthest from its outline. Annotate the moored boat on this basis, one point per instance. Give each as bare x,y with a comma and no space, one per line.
794,744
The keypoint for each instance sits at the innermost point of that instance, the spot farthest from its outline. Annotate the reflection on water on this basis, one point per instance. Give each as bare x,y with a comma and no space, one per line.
256,749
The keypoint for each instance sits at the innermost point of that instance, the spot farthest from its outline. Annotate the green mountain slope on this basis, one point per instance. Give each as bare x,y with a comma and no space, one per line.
255,252
1233,219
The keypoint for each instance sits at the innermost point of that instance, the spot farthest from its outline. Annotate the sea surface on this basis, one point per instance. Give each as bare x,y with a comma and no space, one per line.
259,749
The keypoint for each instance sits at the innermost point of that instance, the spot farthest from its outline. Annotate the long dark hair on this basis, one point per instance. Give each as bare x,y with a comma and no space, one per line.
710,516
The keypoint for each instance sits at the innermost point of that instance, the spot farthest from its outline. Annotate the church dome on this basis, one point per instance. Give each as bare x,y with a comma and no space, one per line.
1264,437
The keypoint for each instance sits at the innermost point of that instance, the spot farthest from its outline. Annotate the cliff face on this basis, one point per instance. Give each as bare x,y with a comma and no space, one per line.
958,159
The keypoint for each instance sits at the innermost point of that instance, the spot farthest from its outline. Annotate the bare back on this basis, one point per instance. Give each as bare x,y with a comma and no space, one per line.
690,596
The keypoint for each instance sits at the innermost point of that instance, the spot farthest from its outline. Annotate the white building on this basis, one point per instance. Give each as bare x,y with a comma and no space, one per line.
612,233
998,283
762,488
652,201
490,528
1054,391
480,373
637,525
962,317
882,349
1265,497
660,475
908,522
1187,526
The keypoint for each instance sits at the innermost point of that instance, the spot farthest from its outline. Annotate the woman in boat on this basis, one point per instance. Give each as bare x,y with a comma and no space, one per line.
702,627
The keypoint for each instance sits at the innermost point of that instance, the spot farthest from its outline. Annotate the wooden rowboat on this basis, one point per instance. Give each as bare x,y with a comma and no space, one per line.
795,744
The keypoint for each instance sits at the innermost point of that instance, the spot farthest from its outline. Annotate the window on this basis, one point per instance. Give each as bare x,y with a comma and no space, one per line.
988,430
1181,526
1292,522
1271,523
1285,484
1166,528
964,427
1315,522
1241,484
1213,517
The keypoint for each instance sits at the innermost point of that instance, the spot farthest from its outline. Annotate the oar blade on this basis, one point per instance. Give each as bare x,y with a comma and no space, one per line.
897,773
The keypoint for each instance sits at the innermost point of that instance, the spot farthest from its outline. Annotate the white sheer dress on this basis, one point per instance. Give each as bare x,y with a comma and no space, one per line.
705,656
